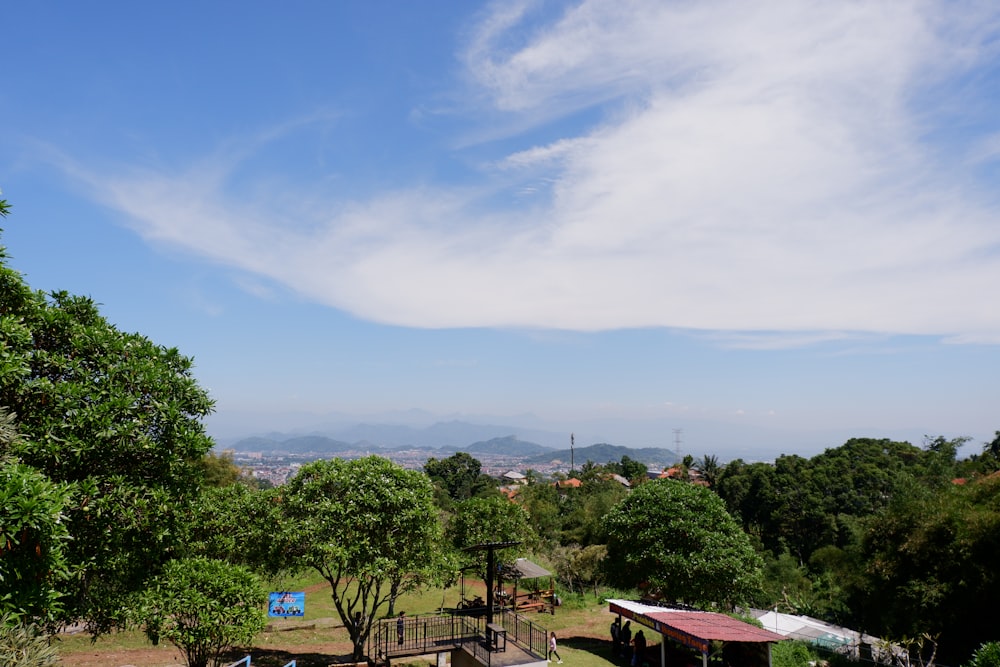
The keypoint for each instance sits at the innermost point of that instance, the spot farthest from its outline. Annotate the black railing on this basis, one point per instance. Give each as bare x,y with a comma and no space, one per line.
530,637
419,635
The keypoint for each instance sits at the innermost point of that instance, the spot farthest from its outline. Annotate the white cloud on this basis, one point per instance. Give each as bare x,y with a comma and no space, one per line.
758,167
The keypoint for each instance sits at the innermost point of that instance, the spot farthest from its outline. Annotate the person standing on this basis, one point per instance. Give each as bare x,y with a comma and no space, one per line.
626,640
400,626
639,652
552,649
616,629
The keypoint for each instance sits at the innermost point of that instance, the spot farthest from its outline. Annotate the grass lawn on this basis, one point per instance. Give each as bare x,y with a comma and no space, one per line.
318,639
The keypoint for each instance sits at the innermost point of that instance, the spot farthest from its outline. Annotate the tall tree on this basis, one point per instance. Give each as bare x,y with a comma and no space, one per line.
676,540
931,566
460,476
709,468
489,520
362,524
115,418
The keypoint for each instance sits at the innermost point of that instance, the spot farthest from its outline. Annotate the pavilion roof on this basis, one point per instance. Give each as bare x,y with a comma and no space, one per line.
692,628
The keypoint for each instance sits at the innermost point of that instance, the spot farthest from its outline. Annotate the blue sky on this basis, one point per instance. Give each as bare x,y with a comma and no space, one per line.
617,218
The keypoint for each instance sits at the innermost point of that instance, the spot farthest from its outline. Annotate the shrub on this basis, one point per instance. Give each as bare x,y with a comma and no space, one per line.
203,607
987,655
24,645
792,654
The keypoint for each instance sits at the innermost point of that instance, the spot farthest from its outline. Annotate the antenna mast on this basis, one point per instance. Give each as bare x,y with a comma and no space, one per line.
677,442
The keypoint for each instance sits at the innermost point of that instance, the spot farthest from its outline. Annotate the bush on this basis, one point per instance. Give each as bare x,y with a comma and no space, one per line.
987,655
203,607
24,645
792,654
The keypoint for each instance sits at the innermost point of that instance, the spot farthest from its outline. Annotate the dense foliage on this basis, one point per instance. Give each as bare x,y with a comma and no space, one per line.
458,477
489,520
368,526
987,655
33,566
676,541
203,607
110,427
932,566
25,644
881,536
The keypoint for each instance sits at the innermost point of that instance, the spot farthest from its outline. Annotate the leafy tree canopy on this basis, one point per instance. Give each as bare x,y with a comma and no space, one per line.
364,525
459,475
676,540
931,566
490,520
112,417
796,503
33,535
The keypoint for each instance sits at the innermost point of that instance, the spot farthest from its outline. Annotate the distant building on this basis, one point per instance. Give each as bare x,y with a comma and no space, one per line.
621,480
514,477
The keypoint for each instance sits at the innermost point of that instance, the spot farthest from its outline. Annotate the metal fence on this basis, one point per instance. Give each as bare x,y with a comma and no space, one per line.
532,638
423,634
418,635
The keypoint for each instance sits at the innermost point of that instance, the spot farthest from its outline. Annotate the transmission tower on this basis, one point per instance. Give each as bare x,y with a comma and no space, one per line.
677,442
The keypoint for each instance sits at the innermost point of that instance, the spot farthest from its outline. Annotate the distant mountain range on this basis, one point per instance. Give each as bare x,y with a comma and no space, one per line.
444,439
442,435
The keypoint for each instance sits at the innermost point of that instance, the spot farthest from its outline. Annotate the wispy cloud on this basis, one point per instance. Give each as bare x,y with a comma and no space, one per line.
755,167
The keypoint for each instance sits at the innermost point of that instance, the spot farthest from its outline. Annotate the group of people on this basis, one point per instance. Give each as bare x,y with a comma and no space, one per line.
624,645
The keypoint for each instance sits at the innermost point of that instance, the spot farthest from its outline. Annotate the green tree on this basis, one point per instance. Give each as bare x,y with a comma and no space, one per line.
748,490
677,540
930,566
709,468
460,476
33,534
628,468
33,537
579,567
799,504
583,510
203,607
490,520
239,524
363,525
793,654
117,420
542,503
219,469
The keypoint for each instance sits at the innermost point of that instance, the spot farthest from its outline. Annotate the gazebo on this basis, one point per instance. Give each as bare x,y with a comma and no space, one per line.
698,629
538,597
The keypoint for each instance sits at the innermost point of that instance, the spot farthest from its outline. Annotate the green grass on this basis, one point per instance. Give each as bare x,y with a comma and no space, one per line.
307,639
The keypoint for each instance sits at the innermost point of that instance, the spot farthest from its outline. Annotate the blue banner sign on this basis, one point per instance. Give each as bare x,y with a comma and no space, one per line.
286,604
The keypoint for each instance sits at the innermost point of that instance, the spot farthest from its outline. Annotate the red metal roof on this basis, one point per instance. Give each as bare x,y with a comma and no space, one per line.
693,628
